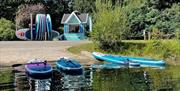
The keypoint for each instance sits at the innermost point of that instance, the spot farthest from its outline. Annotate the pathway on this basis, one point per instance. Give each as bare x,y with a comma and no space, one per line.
12,52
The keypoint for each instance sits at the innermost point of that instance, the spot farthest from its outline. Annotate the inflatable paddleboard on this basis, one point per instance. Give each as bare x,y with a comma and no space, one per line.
124,59
49,26
22,34
38,69
69,66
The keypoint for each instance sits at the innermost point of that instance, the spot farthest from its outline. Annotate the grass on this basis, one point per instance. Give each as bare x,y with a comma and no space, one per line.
5,75
159,49
90,47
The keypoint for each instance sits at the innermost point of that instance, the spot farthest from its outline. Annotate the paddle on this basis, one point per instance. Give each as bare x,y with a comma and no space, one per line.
16,65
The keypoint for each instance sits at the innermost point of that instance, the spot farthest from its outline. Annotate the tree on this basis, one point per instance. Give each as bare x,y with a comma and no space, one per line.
110,26
24,11
86,6
160,14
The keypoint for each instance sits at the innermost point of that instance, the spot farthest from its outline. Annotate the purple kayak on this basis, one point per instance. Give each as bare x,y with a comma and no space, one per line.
38,69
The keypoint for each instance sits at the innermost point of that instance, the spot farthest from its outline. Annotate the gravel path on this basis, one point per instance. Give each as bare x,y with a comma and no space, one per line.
12,52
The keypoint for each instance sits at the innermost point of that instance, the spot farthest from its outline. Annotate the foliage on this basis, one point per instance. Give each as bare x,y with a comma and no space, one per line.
24,11
178,33
156,34
110,26
158,49
8,8
7,30
6,76
86,6
56,8
161,14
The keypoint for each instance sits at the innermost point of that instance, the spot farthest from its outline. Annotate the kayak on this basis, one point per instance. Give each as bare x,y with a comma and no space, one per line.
38,69
69,66
124,59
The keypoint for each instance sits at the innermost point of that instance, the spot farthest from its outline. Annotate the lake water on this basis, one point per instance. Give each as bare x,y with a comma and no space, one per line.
123,79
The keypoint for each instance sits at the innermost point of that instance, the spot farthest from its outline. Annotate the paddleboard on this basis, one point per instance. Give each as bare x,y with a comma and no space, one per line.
38,69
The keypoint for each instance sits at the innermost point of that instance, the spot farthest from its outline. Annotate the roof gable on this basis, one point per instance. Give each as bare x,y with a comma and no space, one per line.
73,19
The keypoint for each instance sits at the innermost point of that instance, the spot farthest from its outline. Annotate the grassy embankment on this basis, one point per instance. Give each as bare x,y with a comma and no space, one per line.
5,75
168,50
6,79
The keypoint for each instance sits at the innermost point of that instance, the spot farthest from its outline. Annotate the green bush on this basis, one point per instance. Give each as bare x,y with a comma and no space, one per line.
110,26
7,30
177,33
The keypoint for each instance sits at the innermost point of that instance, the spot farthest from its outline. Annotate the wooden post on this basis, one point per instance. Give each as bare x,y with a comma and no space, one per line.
144,33
45,36
149,35
31,26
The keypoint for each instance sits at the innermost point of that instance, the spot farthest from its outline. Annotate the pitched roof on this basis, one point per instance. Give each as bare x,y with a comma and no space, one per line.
82,17
65,16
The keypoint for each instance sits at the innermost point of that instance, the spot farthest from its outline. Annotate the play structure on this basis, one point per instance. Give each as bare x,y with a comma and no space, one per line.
41,30
76,25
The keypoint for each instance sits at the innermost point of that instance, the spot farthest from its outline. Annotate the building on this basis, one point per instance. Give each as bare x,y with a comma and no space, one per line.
76,25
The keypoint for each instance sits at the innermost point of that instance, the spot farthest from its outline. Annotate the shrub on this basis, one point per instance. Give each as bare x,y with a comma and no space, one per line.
177,33
7,30
24,11
156,34
110,26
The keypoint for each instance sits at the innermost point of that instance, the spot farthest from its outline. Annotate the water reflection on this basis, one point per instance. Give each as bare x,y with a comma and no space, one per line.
133,80
123,79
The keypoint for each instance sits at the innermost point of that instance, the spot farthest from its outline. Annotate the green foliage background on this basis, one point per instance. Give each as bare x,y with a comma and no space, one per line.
139,15
7,30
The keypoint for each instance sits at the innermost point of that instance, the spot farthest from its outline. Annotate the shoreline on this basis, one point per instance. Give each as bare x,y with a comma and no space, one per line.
19,52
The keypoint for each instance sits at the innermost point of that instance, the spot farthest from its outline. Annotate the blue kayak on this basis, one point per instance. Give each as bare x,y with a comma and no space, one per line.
69,66
38,69
123,59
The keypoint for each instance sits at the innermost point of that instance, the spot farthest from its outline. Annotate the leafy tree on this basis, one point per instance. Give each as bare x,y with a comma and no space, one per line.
24,11
7,30
110,26
84,5
160,14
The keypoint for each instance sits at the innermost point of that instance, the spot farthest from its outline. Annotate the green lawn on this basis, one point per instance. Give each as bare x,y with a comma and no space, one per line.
162,49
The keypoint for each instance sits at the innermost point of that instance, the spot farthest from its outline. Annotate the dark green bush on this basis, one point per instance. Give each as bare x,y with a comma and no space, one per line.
7,30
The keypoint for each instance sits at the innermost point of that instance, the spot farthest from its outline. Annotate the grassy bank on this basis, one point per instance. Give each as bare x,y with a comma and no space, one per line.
6,75
168,50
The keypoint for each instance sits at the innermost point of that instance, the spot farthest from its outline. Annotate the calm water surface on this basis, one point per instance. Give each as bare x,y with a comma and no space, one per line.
123,79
